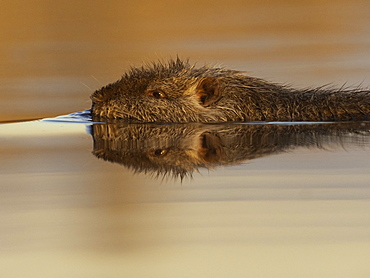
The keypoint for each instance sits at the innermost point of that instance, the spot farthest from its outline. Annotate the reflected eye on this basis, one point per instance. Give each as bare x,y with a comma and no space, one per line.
158,152
157,94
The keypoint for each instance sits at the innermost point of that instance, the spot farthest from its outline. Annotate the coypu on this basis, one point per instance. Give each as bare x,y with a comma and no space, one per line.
178,92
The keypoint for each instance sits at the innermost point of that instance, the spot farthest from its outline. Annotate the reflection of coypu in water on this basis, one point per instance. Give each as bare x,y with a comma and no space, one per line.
178,92
178,150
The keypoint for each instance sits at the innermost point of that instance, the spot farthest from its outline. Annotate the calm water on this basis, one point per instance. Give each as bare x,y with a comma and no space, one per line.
83,199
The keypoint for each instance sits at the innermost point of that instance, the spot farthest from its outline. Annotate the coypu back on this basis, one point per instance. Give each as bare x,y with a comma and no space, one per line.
179,92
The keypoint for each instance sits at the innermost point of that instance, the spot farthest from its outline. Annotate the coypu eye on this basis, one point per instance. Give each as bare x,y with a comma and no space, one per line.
157,94
158,152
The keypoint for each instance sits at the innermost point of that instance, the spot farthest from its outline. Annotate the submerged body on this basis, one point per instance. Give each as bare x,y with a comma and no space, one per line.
178,92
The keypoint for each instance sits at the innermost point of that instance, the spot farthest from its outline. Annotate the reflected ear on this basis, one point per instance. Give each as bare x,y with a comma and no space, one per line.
210,148
208,91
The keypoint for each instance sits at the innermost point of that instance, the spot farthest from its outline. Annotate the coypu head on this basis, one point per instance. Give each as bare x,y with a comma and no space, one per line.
164,92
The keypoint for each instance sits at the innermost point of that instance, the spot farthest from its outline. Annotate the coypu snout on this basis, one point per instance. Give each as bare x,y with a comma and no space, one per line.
178,92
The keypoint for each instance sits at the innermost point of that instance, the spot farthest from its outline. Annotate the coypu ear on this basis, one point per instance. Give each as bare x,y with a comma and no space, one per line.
207,91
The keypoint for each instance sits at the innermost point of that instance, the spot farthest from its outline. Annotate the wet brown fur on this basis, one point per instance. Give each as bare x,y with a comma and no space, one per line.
178,92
